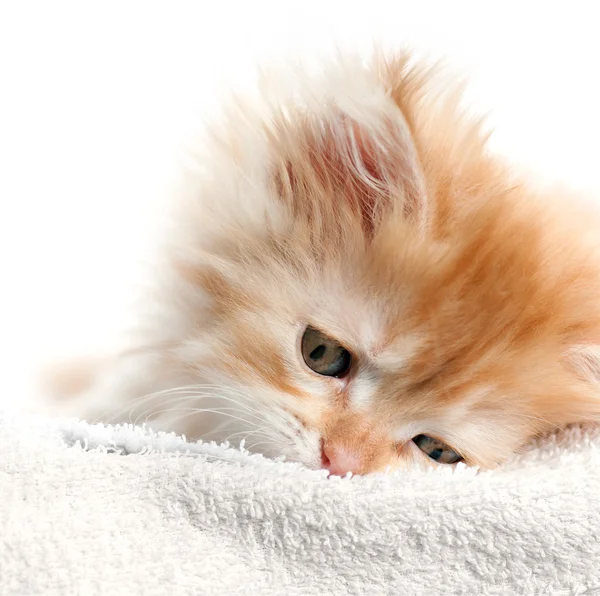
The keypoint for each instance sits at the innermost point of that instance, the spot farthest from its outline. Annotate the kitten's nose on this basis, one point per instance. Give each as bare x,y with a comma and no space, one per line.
339,460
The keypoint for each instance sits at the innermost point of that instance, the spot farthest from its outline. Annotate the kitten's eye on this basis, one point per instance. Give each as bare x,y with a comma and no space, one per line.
436,450
324,355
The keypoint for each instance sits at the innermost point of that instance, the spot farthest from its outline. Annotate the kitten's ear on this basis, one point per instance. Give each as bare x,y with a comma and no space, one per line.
367,160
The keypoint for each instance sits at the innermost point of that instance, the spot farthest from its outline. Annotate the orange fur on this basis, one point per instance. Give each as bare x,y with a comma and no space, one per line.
471,303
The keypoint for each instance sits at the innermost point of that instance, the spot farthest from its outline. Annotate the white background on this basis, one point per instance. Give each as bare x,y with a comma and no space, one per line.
97,98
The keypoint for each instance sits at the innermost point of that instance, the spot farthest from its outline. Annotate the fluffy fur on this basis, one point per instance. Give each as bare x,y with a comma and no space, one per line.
364,202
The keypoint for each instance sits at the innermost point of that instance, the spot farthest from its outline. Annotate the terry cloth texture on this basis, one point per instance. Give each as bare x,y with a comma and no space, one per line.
92,509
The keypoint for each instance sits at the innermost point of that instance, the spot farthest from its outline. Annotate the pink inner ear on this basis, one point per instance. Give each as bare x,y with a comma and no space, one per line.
341,163
329,176
361,174
394,163
392,166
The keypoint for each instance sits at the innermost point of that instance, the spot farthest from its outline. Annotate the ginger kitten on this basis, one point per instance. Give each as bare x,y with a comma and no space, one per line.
355,283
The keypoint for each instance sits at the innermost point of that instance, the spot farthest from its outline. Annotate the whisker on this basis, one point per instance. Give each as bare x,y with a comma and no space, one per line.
254,445
208,389
202,393
555,426
190,411
244,402
248,433
147,412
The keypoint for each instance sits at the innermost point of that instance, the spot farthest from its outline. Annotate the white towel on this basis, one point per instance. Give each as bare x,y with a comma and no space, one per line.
116,510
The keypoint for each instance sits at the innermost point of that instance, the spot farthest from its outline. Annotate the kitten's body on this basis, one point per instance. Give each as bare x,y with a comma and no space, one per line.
367,208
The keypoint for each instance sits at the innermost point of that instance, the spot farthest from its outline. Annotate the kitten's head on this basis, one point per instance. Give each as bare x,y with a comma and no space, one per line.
363,286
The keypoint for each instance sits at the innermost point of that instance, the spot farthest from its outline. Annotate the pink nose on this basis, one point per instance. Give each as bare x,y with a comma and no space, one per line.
339,460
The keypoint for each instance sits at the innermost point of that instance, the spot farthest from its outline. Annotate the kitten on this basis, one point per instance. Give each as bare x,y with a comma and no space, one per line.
355,283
